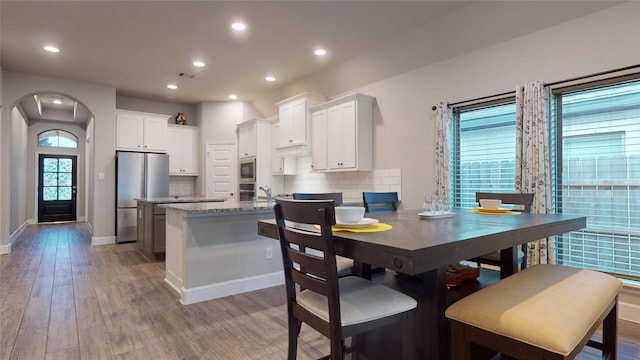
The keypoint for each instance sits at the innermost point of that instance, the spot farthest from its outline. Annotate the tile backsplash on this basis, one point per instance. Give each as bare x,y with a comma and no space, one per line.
351,184
182,185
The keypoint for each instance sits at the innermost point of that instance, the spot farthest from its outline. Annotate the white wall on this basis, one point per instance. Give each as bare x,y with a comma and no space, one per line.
19,156
403,119
217,122
101,101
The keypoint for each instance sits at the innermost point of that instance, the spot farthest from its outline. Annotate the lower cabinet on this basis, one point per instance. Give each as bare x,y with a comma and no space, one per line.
151,242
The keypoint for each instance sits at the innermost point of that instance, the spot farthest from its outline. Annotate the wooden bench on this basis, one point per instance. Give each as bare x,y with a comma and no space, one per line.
544,312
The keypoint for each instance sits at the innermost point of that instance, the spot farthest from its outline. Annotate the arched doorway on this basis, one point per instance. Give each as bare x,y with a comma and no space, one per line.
49,178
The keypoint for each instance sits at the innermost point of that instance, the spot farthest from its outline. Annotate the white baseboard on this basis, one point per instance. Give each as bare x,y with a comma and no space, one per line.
81,218
90,228
103,240
13,237
31,221
5,249
227,288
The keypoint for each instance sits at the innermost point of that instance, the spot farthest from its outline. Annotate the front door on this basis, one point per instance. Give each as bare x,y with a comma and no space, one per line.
57,187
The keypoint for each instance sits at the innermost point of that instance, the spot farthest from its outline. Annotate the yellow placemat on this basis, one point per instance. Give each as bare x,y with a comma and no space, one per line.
477,211
377,227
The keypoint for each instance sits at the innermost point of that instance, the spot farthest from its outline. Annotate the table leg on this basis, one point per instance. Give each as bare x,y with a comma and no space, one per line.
432,324
508,261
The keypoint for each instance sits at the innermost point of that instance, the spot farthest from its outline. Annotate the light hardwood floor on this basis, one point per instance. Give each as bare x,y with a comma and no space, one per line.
61,298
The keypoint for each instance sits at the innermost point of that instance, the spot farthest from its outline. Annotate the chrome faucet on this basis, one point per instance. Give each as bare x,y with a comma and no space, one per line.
267,190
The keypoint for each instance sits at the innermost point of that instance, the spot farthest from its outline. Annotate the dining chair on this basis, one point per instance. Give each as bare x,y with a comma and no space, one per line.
336,197
521,202
344,265
338,308
380,201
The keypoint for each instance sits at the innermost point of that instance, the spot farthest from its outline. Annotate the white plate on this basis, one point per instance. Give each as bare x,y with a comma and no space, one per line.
433,215
361,224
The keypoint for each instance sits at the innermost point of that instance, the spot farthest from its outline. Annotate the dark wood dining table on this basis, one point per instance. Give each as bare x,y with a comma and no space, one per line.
422,248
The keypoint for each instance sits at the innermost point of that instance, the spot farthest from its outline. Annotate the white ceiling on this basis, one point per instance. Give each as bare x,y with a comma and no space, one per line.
140,46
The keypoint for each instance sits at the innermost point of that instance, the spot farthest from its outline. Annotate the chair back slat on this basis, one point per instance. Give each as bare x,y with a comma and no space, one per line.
313,264
380,201
305,239
314,284
525,199
336,197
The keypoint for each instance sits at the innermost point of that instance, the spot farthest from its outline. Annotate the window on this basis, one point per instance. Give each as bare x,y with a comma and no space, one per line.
58,138
484,155
596,173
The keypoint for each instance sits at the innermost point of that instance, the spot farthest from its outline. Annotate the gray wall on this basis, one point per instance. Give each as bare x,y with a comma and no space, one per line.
19,156
157,107
32,164
101,101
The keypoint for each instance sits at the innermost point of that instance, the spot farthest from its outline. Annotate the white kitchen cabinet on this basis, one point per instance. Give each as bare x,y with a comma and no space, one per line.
349,134
319,139
139,131
295,131
247,140
183,150
280,165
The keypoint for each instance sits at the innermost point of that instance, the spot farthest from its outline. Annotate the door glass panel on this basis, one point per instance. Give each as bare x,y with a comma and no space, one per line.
50,193
65,165
50,165
64,193
64,179
50,179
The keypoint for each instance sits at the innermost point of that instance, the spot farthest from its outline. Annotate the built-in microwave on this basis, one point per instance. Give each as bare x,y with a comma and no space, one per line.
247,170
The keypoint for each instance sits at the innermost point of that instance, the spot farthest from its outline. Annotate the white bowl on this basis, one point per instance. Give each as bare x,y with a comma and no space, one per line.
490,203
349,214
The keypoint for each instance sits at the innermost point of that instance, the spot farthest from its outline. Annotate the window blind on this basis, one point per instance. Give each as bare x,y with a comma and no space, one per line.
596,173
485,151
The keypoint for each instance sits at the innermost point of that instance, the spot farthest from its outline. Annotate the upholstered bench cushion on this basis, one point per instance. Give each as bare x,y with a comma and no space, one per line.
360,301
548,306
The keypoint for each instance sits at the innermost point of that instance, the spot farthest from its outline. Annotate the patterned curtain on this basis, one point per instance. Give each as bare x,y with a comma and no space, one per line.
444,146
532,160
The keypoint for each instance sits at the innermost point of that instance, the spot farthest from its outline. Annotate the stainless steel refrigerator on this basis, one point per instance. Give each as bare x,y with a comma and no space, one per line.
138,175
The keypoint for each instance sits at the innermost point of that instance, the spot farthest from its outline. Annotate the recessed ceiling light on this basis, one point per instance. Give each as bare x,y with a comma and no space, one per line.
51,48
238,26
172,86
320,52
57,102
233,97
270,78
198,63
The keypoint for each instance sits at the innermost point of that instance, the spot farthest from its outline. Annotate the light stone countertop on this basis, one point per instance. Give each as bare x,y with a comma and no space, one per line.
219,208
179,199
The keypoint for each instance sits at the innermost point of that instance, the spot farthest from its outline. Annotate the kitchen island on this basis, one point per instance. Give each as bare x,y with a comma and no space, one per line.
213,250
151,223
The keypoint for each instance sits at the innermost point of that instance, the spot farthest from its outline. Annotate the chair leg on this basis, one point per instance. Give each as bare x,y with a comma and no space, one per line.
337,349
610,334
409,337
460,347
294,331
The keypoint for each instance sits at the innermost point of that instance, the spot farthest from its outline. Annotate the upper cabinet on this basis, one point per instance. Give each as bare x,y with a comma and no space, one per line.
295,131
280,165
319,140
140,131
247,140
183,150
344,138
